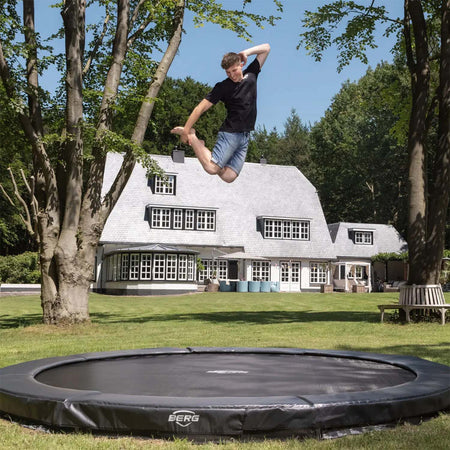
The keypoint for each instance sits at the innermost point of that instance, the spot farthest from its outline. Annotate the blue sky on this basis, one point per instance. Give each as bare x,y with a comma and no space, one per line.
290,78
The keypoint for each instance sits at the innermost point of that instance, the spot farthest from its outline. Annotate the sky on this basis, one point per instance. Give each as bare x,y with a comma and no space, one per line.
290,78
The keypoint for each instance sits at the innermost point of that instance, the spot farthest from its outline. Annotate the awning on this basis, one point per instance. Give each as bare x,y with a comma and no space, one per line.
242,255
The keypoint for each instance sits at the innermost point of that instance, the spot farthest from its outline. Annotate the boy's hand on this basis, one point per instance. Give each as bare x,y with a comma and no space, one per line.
243,57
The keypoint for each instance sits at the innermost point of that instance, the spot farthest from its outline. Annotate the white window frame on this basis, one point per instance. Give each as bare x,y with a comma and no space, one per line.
159,266
286,229
161,218
125,266
261,270
165,185
171,267
146,266
363,237
191,268
177,219
183,267
134,266
189,219
206,220
318,273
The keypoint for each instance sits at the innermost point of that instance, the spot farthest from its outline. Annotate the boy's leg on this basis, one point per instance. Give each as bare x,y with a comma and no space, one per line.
201,151
228,174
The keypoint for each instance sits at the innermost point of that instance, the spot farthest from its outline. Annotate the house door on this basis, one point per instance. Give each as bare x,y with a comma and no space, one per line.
233,270
290,276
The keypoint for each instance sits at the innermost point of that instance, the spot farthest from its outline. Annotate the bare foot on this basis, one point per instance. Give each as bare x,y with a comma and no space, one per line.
185,139
180,130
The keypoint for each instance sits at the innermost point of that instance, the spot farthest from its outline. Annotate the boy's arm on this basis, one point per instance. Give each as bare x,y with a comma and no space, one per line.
203,106
261,52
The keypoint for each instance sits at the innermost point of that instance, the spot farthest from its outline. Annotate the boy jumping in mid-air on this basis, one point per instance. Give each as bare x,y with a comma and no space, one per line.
238,92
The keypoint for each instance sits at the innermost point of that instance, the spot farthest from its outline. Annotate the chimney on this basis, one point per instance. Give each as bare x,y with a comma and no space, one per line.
262,160
178,155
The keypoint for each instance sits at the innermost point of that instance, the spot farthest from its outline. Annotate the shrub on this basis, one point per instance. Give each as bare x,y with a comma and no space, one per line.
22,268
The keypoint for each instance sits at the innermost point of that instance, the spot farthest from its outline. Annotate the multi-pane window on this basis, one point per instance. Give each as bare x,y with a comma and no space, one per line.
146,266
134,266
364,237
318,273
189,219
182,267
261,270
171,270
217,268
125,266
191,267
273,228
165,185
181,218
295,276
206,220
286,229
177,219
160,217
149,266
159,266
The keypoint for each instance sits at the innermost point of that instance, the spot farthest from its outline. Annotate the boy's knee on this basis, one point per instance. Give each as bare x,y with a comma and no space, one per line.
212,169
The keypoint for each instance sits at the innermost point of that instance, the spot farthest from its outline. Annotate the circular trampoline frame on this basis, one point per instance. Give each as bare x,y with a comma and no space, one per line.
202,418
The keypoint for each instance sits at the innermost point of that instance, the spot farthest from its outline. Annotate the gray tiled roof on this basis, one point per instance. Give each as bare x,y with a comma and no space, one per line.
260,190
386,239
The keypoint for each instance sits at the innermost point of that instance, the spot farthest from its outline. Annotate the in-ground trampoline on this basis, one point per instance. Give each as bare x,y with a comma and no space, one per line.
210,393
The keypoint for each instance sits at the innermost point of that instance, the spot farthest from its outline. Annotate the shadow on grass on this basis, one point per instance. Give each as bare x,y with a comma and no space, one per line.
245,317
24,320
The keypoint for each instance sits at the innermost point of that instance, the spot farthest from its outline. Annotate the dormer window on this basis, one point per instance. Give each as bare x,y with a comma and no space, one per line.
363,237
274,228
182,218
164,185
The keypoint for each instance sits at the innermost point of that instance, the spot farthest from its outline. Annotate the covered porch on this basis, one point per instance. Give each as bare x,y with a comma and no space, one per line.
352,276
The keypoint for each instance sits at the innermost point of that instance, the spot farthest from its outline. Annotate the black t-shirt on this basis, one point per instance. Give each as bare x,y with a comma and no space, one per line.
239,99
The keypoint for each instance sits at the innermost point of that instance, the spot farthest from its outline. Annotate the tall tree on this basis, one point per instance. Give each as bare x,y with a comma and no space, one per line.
423,39
360,168
69,167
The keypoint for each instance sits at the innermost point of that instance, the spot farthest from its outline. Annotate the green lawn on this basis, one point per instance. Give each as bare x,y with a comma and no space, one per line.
322,321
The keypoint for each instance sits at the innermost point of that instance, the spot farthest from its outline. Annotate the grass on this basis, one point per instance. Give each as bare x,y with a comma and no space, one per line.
321,321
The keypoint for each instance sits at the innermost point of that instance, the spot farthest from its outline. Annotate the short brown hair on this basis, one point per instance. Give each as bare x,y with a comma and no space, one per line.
230,59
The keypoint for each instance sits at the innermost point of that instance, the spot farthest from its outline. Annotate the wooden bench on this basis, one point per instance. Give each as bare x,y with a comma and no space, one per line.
429,297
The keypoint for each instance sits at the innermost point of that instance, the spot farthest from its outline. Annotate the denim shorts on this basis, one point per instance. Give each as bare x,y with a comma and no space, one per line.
230,150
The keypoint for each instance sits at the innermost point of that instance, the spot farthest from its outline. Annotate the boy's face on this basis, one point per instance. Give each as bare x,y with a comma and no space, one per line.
234,73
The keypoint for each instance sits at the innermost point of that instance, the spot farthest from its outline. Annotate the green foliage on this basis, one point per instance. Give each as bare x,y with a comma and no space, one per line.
291,147
385,257
15,153
357,36
23,268
175,102
360,168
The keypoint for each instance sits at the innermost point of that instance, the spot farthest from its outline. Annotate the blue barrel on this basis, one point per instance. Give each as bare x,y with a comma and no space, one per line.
225,287
242,286
275,286
265,286
233,285
254,286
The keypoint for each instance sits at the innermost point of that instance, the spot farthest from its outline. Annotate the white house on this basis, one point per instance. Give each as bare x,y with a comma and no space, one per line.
355,244
268,225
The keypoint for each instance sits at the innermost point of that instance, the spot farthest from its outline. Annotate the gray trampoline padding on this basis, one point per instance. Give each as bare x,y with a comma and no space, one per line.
210,393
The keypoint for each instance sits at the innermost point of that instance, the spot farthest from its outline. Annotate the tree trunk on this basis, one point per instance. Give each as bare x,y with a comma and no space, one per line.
440,189
420,78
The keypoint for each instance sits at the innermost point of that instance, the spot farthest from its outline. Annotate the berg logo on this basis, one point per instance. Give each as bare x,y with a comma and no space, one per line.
184,418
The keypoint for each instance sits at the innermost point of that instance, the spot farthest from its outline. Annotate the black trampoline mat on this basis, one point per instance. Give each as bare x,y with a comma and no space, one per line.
226,375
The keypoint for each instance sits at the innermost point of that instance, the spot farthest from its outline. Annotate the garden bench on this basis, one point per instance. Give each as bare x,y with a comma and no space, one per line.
427,297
